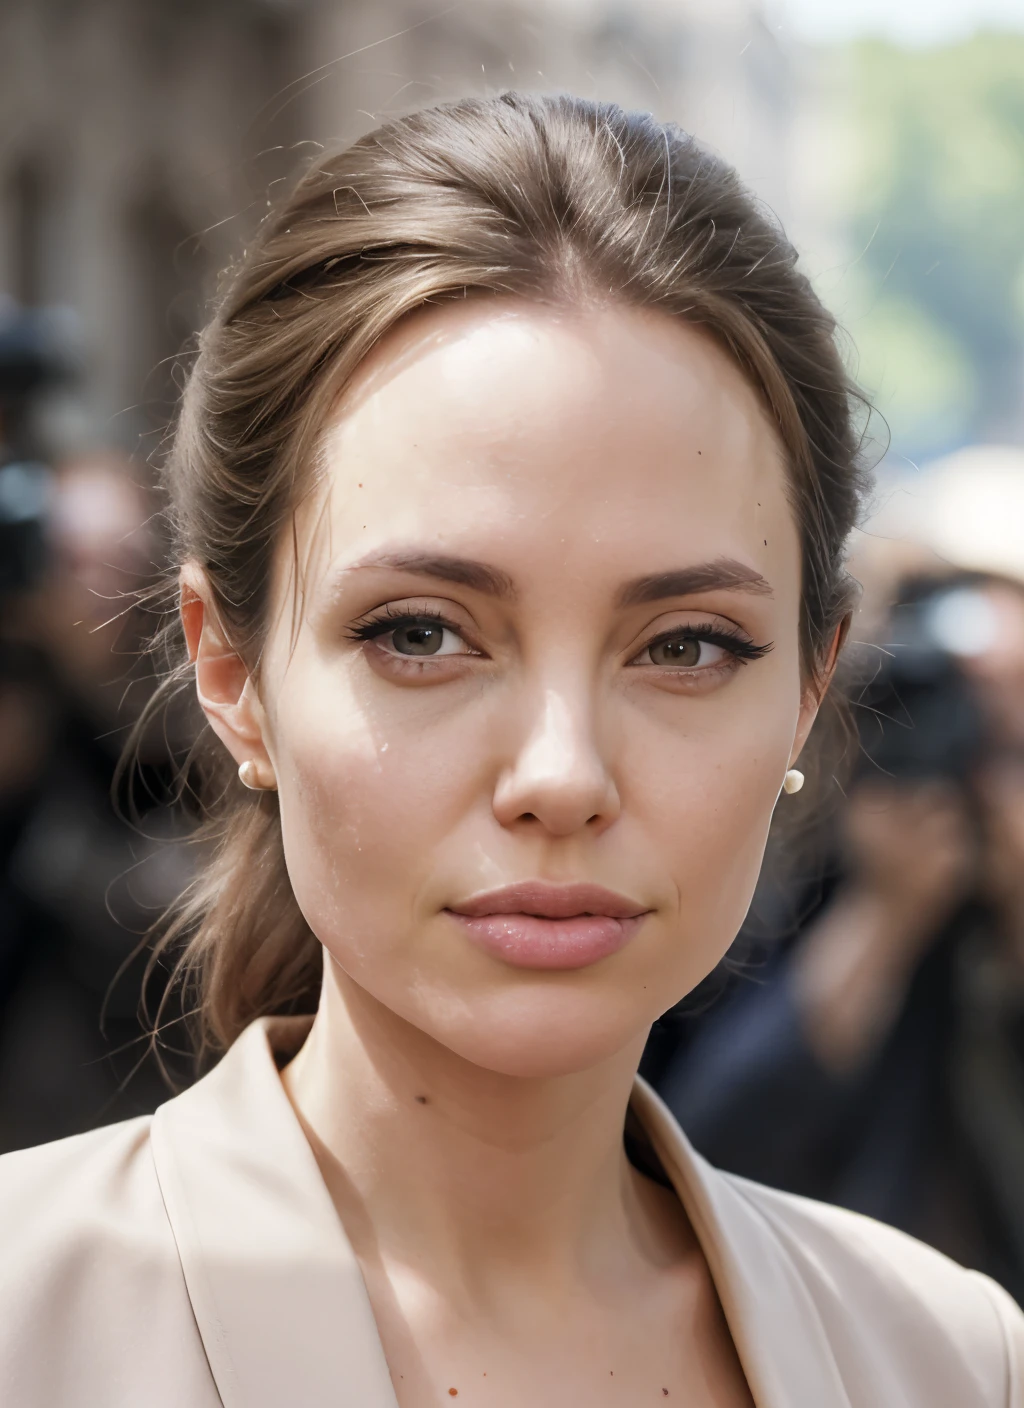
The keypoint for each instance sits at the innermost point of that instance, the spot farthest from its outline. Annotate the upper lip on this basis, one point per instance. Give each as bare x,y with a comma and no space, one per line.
550,901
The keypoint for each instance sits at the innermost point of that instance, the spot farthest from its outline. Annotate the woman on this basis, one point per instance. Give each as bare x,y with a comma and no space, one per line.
510,492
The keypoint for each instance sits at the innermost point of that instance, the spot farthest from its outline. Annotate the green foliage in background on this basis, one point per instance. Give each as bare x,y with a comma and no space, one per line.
937,219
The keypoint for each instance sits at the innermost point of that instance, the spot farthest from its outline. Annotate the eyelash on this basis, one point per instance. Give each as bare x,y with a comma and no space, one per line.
387,619
381,622
736,644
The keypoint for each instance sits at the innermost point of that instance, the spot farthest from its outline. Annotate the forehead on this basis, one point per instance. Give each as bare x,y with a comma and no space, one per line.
479,426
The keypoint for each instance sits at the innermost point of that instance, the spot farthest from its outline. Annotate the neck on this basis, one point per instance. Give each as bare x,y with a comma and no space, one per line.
435,1161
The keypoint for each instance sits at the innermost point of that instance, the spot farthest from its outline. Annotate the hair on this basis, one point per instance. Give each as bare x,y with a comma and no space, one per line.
551,199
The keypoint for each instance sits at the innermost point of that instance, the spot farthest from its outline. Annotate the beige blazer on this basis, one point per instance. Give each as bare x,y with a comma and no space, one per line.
195,1259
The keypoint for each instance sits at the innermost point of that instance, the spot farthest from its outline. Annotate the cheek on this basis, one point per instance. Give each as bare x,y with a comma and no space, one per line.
705,794
365,802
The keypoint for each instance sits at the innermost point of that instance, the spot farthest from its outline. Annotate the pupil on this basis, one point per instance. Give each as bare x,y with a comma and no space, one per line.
676,652
418,640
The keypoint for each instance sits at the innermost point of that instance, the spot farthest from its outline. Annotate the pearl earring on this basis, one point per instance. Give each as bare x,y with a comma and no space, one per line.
793,781
249,777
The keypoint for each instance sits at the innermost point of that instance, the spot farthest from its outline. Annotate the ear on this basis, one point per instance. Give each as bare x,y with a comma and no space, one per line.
224,687
815,690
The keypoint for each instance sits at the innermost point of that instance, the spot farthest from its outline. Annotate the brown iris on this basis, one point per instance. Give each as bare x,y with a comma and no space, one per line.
419,639
683,650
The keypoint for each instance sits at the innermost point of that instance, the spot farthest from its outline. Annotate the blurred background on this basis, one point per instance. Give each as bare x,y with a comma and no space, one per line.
865,1041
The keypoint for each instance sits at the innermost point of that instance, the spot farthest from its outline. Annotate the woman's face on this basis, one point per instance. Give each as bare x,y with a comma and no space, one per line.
546,638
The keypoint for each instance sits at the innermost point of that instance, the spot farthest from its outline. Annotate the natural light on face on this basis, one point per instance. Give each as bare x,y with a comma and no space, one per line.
549,631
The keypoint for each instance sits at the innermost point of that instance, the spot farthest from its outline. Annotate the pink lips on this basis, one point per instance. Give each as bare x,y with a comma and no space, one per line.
540,925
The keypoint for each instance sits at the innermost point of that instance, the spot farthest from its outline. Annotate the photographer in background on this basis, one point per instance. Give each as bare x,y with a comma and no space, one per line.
877,1059
78,887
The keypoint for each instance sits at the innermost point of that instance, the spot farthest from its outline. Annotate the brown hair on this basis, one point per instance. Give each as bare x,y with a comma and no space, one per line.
545,198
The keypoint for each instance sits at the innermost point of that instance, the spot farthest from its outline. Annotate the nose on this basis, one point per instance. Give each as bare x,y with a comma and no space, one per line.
558,777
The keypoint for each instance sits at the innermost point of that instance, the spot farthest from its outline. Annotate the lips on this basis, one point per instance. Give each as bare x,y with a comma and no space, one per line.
541,925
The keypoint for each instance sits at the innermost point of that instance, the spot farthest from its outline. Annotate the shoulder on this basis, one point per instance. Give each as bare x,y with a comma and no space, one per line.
100,1185
896,1307
88,1261
96,1153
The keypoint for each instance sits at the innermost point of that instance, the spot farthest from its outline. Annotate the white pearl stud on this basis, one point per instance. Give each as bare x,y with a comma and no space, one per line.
248,776
792,782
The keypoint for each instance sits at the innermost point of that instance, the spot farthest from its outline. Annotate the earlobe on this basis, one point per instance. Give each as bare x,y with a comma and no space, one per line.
223,685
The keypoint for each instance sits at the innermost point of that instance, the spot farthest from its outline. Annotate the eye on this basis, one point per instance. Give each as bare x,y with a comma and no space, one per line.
410,635
423,638
694,648
687,652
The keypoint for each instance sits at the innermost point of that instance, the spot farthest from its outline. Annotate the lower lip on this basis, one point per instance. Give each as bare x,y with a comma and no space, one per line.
530,941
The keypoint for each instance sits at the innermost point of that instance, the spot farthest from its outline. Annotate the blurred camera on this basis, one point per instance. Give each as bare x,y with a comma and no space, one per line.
918,717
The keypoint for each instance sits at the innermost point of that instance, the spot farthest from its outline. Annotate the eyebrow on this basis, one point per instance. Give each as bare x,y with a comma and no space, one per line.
723,574
491,581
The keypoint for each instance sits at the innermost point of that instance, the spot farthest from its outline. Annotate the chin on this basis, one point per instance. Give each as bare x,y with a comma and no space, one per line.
543,1032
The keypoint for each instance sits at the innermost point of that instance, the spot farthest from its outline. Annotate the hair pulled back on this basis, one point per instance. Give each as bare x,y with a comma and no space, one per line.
544,198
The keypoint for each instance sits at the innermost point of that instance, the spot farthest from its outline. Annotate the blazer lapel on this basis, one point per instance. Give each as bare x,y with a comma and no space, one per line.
275,1286
278,1295
775,1324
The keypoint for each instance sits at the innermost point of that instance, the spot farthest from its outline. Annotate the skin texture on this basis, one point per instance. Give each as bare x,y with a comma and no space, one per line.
468,1114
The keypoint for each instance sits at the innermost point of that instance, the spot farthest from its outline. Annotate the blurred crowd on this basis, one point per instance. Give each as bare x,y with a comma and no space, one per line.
862,1043
79,883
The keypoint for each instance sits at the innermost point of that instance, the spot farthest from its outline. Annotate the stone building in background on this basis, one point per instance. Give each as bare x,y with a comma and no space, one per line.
141,137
